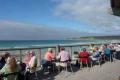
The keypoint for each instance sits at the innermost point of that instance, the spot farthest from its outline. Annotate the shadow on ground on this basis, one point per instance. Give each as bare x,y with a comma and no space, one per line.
51,76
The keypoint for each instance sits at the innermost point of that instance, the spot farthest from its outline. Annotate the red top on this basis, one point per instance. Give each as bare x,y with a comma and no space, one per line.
84,56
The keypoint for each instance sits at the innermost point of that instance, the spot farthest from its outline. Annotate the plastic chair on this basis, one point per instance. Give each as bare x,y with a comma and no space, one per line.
65,66
98,60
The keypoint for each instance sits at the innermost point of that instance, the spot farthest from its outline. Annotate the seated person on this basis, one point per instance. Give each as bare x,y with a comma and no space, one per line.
31,66
49,55
96,54
84,56
64,57
9,68
47,61
27,58
3,59
32,63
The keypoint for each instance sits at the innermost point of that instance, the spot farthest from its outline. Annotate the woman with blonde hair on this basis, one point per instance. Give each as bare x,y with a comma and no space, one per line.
10,69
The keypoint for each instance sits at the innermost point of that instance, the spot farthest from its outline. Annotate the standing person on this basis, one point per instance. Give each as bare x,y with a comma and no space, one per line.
10,68
107,53
117,48
102,52
112,51
3,59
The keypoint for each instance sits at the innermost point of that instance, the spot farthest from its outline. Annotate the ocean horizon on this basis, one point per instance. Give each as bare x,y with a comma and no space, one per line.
32,43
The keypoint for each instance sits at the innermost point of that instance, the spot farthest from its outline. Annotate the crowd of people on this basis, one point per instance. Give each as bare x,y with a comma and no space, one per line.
10,69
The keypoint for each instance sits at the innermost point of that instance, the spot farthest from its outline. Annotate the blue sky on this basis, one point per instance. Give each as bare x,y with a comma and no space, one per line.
68,18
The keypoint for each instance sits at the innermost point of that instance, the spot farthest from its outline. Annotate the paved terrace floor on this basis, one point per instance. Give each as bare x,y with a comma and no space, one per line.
108,71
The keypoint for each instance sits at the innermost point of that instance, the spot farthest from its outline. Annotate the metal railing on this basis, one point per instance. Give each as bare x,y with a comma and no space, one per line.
40,50
19,52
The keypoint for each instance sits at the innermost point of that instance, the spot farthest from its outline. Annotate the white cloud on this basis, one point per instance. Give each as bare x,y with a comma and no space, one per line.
91,11
25,31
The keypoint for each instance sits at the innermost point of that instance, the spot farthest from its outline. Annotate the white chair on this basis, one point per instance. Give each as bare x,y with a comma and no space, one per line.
64,65
99,60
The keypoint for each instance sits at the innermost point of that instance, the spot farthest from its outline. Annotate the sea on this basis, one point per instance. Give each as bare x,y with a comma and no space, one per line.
32,43
6,44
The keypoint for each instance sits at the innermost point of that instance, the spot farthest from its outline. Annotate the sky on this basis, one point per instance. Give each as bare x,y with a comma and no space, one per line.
56,19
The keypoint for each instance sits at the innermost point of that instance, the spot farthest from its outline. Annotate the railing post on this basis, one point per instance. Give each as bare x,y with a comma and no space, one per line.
71,51
39,57
80,48
57,49
55,52
20,55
